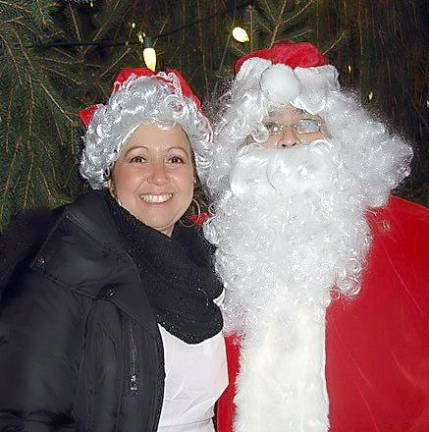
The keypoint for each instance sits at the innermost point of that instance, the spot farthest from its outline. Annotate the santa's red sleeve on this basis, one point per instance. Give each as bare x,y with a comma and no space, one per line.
377,344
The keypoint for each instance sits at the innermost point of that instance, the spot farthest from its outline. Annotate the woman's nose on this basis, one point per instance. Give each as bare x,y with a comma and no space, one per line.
158,174
288,137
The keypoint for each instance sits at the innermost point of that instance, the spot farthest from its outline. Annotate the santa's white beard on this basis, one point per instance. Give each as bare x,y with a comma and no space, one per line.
291,227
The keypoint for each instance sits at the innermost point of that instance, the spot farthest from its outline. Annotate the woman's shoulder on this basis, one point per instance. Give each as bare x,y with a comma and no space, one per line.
72,246
23,238
83,247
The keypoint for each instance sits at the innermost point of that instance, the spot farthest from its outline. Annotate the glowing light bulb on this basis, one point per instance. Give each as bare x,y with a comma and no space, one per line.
149,54
370,96
133,25
240,35
349,68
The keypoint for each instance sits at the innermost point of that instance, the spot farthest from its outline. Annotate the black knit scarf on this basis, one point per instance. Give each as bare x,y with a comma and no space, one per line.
176,273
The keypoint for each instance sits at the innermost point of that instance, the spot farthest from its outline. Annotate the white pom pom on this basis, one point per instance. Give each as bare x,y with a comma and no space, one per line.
279,84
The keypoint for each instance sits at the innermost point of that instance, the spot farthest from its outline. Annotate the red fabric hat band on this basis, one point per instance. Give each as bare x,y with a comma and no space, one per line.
292,54
87,113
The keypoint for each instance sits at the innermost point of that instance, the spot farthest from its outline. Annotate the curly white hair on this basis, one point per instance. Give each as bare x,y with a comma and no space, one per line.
378,158
154,99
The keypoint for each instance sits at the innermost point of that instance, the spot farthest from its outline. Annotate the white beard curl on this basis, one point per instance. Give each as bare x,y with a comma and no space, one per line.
290,228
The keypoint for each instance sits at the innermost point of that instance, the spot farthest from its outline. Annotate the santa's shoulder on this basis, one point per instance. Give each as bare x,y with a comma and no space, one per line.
376,342
400,220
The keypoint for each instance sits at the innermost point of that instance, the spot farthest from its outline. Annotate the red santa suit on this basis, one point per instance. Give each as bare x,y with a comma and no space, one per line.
377,343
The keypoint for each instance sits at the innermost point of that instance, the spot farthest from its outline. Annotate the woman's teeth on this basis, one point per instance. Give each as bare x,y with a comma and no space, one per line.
156,198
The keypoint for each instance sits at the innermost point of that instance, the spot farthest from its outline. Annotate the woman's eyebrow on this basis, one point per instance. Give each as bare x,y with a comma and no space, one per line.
179,148
136,147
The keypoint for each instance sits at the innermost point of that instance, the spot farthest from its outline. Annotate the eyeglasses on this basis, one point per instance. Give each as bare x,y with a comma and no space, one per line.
301,126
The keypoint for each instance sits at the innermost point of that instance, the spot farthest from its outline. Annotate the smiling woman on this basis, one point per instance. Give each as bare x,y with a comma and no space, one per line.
153,177
122,328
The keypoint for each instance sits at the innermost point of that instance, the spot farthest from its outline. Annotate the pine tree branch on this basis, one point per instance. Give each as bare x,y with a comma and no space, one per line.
107,70
300,12
269,11
334,43
8,182
55,102
252,30
103,26
41,12
262,24
23,24
11,55
54,60
60,137
48,153
30,116
75,24
64,53
15,6
278,23
29,140
42,176
23,50
66,77
9,116
28,181
15,20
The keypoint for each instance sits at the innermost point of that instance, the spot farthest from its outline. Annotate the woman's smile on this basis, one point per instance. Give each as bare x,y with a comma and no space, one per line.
156,198
153,178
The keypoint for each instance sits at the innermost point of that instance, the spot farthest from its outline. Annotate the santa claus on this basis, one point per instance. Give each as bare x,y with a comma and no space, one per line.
297,174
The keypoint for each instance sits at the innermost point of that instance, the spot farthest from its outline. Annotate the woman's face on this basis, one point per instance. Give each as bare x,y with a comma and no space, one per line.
153,178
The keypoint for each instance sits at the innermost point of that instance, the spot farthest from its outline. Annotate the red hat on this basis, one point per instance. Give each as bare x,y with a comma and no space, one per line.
295,73
171,77
292,54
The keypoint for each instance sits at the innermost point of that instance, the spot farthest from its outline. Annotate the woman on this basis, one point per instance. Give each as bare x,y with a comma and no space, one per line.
113,324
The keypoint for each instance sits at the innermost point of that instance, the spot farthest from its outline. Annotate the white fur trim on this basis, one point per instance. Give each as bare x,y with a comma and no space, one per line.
280,84
254,66
316,82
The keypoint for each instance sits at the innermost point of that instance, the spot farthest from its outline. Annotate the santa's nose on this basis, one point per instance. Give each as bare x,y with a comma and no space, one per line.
288,137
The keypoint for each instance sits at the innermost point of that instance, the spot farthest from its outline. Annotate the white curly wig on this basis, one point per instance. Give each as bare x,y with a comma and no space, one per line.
261,86
290,225
157,99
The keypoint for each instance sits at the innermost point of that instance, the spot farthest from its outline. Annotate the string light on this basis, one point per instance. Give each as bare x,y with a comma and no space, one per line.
349,68
149,54
133,25
370,96
109,43
240,35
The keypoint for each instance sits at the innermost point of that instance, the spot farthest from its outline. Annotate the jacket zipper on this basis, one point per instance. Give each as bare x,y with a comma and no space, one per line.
161,379
133,385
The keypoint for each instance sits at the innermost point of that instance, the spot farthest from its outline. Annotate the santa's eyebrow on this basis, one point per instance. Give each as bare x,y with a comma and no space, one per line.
299,111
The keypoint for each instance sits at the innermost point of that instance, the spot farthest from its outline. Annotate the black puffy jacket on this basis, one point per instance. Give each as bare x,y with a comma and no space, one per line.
80,349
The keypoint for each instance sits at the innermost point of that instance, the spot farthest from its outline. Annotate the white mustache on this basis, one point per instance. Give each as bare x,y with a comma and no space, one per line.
296,170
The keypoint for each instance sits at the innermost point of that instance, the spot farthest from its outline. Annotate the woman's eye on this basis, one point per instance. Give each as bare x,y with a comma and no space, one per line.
273,128
137,159
304,126
176,160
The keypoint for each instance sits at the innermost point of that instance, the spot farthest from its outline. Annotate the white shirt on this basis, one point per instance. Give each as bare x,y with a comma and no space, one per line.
196,376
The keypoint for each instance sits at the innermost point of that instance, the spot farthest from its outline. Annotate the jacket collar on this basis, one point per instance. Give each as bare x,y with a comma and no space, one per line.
113,273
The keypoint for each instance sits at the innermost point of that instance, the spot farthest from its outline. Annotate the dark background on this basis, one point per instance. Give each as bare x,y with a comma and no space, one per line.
59,57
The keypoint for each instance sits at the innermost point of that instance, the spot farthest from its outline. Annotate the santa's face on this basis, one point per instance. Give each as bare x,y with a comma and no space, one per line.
289,126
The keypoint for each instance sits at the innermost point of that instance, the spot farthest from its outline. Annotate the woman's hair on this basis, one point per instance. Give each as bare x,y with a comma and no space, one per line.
154,99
